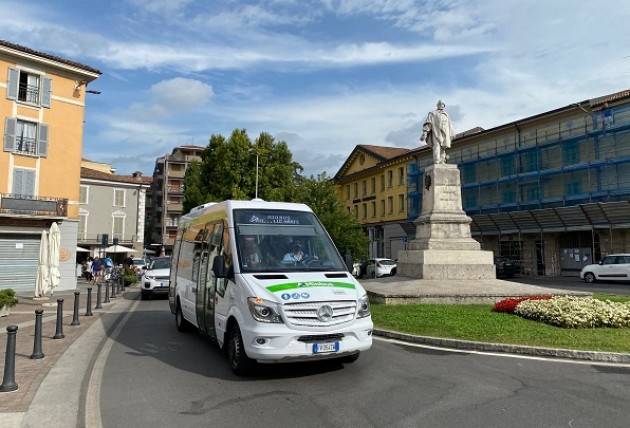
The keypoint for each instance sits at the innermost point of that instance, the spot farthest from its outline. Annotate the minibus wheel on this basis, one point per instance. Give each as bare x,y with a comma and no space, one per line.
240,363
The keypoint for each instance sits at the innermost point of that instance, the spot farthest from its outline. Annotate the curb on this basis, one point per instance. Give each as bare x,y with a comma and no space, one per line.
569,354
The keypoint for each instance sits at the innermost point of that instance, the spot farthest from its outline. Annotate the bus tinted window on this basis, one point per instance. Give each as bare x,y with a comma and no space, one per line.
276,241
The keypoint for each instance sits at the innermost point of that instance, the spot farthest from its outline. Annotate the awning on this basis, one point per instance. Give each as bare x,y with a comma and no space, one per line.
82,250
119,249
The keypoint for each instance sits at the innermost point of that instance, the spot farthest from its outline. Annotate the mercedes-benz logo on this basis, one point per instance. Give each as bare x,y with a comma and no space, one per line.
325,313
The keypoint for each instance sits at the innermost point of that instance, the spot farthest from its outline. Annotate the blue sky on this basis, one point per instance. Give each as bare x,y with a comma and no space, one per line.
323,75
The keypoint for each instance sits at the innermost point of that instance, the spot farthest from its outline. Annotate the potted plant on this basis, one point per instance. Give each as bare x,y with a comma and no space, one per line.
7,301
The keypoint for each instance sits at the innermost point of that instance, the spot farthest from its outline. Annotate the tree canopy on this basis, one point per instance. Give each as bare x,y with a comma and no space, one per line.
228,171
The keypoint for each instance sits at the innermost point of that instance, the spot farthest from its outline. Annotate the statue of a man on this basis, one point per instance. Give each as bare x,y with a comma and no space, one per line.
437,131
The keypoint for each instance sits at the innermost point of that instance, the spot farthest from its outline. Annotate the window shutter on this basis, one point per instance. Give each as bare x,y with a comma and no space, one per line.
28,183
9,134
46,91
18,181
12,84
42,140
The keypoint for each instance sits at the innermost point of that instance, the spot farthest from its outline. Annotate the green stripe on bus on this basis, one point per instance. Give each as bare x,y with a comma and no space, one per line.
308,284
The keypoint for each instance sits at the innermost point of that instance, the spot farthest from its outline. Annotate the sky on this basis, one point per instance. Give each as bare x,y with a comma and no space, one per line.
322,75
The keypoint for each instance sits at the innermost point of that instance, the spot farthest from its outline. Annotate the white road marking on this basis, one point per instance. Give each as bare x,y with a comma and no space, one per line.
503,354
93,417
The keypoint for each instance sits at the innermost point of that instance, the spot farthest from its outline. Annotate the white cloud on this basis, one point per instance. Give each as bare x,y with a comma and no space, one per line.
161,6
181,93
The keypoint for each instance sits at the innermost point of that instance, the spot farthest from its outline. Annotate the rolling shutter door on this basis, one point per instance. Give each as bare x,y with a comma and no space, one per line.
19,255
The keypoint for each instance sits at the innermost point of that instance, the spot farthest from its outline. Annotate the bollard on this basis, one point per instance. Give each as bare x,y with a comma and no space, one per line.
98,296
37,344
88,310
59,327
8,380
107,292
113,293
75,315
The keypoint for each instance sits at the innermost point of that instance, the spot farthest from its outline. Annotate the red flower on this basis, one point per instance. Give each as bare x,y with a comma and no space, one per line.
509,305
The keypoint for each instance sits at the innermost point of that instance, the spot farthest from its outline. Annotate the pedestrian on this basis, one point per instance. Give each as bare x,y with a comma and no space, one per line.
96,268
88,269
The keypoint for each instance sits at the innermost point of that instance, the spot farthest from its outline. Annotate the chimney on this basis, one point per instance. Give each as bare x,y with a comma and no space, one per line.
137,174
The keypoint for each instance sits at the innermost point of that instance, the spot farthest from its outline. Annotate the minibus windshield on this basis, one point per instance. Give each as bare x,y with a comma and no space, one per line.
283,241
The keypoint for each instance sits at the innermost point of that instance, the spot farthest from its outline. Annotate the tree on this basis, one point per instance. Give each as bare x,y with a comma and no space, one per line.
320,194
228,171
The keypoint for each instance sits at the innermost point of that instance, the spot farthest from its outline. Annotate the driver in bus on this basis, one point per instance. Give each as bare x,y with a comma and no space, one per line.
296,255
251,253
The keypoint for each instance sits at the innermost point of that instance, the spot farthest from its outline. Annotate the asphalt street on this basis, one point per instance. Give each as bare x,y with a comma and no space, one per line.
576,284
157,377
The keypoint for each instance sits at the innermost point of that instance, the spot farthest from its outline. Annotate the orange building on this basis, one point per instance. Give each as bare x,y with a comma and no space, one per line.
42,103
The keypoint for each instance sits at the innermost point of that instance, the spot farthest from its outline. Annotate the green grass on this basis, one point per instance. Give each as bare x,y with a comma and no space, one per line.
611,297
479,322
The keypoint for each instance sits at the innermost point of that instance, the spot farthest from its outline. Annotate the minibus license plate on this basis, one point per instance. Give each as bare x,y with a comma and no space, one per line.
320,348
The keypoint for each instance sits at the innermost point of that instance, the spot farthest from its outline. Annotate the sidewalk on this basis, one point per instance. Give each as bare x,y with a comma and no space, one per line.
29,373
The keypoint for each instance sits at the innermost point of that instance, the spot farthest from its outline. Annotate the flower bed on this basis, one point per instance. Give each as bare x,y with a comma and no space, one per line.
509,305
576,312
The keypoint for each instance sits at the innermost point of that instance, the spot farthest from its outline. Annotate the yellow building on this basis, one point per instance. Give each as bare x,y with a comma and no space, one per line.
42,102
372,183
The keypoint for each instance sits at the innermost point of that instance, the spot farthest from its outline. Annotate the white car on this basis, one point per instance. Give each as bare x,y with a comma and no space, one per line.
155,279
377,268
614,267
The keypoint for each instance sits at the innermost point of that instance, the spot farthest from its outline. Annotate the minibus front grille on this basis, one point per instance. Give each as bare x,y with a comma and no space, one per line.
305,313
321,338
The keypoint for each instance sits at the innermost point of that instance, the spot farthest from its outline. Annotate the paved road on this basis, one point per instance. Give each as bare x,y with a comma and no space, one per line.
157,377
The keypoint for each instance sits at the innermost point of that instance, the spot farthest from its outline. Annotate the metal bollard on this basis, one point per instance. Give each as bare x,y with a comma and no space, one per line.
75,315
59,327
106,292
37,344
88,310
98,296
8,380
113,293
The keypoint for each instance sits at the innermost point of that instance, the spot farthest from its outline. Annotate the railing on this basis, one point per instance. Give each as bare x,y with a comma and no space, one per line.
32,205
97,239
174,206
25,145
29,93
180,173
176,189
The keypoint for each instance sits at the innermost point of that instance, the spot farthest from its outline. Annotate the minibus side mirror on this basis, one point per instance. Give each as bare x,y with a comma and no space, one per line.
349,262
218,267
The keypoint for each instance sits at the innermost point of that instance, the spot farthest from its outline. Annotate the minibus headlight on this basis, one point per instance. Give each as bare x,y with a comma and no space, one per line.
264,310
364,307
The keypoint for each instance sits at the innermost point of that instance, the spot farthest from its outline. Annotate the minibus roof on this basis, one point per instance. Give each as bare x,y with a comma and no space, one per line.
229,205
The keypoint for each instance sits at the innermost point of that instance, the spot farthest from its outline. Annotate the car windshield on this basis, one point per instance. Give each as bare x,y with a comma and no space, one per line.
387,262
138,262
161,263
283,241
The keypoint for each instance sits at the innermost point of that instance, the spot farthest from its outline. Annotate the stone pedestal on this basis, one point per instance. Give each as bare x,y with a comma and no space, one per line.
443,247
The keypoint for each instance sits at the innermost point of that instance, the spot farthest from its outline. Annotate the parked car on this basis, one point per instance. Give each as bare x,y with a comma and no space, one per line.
614,267
155,279
377,268
506,267
138,266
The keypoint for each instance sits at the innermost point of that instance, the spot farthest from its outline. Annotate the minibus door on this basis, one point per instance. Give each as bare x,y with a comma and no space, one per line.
214,249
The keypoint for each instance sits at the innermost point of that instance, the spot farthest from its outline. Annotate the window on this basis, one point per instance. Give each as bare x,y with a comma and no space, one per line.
573,188
364,210
82,232
609,260
25,137
571,153
84,194
401,203
349,210
356,190
529,192
23,182
470,198
373,185
29,88
382,207
382,183
507,166
529,161
390,178
373,208
364,187
118,227
356,211
348,192
119,197
401,176
469,173
390,205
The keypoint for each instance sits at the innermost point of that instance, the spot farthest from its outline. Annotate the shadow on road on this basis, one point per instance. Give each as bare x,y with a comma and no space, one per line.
151,333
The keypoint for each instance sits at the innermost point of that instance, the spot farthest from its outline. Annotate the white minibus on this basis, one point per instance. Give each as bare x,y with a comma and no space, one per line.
266,282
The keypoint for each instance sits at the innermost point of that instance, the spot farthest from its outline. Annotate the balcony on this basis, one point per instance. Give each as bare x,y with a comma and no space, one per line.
175,189
176,173
25,146
34,206
28,93
175,206
96,239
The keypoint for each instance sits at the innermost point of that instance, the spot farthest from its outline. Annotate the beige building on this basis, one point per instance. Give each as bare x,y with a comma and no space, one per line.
165,204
